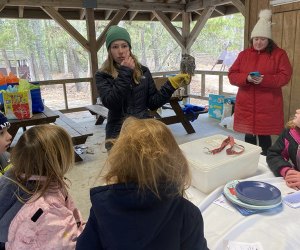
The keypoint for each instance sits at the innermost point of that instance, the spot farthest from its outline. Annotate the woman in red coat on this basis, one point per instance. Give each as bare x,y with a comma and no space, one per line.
260,72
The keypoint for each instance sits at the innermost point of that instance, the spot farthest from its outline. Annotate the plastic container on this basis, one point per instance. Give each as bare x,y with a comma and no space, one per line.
211,171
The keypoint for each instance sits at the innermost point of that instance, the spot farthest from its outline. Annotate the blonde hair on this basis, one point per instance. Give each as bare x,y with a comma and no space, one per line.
43,151
110,67
146,153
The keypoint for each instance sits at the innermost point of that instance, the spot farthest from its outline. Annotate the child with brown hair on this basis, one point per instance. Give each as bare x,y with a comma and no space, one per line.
283,156
36,211
142,206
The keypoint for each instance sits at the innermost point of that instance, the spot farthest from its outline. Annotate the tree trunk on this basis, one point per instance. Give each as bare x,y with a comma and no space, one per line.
6,61
33,69
58,62
74,63
66,64
48,43
44,64
154,47
144,58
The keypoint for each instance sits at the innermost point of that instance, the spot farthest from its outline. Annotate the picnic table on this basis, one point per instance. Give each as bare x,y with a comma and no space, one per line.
47,116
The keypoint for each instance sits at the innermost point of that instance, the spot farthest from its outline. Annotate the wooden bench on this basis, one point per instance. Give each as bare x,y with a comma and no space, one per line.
100,111
78,134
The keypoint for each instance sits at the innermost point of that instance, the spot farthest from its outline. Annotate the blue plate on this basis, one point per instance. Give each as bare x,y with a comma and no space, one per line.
258,193
230,194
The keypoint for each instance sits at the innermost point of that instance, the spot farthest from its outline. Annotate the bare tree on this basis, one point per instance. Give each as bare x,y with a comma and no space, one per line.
44,63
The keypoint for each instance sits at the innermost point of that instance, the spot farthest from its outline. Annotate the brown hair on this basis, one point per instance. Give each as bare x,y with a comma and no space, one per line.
270,47
43,150
146,153
110,67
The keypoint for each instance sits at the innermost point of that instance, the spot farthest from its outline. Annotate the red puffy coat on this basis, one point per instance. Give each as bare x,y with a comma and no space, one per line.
259,107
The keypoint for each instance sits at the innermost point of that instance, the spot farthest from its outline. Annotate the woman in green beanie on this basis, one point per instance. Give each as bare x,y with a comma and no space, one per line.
126,87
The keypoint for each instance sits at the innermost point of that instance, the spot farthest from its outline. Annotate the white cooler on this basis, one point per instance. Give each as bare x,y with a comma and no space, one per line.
211,171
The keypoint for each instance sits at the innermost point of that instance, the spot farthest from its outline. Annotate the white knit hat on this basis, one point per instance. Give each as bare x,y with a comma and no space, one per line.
263,26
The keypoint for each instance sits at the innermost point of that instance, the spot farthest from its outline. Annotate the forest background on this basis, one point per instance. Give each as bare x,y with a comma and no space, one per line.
50,53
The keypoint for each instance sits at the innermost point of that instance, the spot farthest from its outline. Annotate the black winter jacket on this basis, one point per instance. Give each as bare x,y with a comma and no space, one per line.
124,218
123,98
283,153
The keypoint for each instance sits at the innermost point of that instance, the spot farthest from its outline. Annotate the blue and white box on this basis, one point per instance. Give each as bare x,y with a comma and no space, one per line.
215,103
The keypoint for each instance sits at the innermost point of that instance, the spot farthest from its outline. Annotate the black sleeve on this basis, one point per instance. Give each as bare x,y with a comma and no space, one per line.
157,98
89,238
112,92
193,230
275,158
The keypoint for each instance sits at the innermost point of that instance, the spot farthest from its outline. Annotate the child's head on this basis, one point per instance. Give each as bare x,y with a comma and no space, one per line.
44,150
146,153
295,121
5,137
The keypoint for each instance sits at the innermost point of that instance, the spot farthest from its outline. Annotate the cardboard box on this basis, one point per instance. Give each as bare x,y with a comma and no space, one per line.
211,171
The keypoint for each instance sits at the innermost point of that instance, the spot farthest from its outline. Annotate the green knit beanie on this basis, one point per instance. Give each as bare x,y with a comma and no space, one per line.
117,33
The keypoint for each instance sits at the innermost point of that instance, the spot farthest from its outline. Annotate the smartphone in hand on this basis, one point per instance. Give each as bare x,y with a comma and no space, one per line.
255,74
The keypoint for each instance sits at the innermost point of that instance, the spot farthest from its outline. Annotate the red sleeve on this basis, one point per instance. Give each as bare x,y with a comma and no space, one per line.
282,75
236,77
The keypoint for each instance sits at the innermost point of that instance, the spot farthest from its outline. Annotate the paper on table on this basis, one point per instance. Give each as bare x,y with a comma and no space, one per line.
222,201
236,245
292,200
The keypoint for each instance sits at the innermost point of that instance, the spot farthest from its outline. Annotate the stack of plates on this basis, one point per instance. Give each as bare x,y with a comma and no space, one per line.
253,194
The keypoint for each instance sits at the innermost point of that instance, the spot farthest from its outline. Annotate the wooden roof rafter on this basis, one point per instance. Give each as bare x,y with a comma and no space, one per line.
2,4
137,10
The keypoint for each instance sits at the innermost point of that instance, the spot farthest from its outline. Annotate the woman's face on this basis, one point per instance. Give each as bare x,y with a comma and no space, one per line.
260,43
296,120
119,50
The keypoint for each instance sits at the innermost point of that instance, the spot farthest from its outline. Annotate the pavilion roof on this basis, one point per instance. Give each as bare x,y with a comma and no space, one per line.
137,10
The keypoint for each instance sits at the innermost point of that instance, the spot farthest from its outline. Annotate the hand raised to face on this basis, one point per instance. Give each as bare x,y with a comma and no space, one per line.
128,61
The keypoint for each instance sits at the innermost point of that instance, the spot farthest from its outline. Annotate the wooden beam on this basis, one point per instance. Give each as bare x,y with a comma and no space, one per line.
2,4
174,16
93,58
103,4
165,21
200,5
240,6
52,3
186,29
107,14
132,15
139,6
199,26
221,10
82,14
66,26
21,11
115,20
152,16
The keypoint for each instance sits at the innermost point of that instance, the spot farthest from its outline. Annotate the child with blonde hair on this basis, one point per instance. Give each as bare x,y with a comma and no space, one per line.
142,206
283,156
36,211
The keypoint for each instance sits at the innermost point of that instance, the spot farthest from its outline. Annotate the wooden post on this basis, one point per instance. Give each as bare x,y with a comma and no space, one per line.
91,35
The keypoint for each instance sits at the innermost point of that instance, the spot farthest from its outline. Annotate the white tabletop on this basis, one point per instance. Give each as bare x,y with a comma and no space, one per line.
278,229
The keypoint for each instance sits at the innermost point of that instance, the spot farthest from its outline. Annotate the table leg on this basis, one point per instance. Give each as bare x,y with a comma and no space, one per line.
182,118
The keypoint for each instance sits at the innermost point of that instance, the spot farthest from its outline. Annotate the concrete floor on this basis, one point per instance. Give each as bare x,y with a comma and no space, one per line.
87,174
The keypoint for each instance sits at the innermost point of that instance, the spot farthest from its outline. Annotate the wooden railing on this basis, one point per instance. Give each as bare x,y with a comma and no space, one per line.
202,95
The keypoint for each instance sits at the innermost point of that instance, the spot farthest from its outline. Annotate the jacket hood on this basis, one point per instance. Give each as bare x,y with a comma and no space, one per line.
124,212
